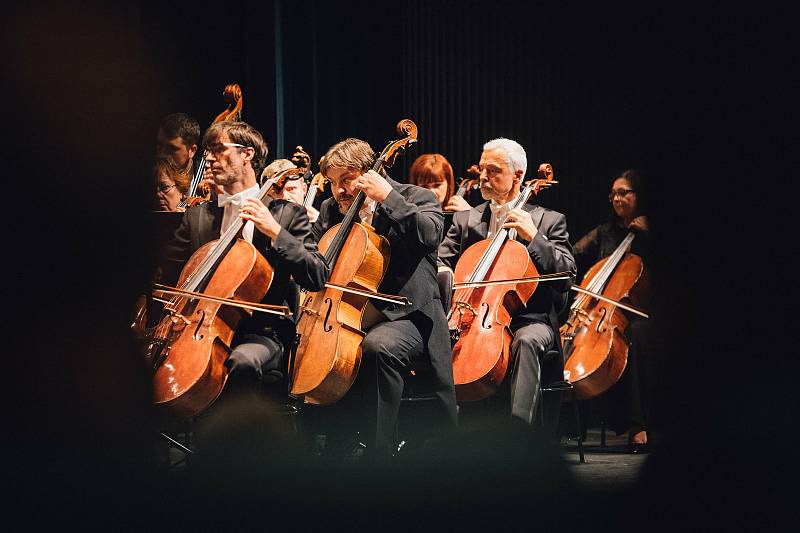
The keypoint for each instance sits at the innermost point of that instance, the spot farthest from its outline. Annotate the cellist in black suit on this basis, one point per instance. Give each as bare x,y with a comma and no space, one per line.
280,231
544,233
411,219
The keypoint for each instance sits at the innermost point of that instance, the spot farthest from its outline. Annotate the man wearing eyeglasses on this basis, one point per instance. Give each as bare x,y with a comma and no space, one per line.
544,233
280,231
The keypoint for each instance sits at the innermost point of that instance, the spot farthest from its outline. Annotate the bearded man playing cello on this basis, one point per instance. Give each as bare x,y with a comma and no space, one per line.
396,335
280,231
544,233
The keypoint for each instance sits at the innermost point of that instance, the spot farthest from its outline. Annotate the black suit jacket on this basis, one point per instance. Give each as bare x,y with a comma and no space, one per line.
411,219
550,251
293,256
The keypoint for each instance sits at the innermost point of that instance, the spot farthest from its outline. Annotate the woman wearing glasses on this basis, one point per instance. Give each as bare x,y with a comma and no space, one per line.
627,401
171,185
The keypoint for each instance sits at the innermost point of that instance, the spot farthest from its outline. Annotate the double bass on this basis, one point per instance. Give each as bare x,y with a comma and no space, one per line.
493,278
198,192
595,345
328,355
189,346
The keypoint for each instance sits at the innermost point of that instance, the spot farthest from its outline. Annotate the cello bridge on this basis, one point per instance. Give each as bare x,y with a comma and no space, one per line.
309,310
176,317
581,315
467,306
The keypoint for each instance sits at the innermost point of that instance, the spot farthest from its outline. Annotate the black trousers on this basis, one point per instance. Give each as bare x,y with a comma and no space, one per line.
530,343
250,359
388,350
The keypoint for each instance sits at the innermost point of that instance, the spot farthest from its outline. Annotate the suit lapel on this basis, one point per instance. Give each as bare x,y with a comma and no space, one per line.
210,222
537,214
479,220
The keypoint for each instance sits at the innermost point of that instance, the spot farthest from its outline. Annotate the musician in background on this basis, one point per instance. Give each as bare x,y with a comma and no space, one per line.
279,165
627,398
177,140
280,231
171,185
294,190
503,165
410,217
434,172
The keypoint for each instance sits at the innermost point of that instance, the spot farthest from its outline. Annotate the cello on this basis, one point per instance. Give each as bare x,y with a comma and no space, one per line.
199,192
480,315
328,354
595,346
189,346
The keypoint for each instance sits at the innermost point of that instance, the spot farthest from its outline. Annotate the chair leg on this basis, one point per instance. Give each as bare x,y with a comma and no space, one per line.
540,407
579,427
603,433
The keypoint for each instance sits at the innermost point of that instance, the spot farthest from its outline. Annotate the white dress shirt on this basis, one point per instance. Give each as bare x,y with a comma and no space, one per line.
367,211
499,213
232,204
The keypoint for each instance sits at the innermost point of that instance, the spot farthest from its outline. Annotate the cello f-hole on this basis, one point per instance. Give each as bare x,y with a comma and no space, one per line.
196,335
485,316
325,326
603,312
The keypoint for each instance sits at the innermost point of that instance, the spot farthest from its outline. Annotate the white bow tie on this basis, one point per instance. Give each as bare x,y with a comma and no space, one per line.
225,199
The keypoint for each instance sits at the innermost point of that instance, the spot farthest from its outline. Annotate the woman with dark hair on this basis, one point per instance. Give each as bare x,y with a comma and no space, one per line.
626,399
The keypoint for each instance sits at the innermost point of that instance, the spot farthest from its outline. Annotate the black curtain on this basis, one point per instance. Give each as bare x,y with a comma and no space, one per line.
591,90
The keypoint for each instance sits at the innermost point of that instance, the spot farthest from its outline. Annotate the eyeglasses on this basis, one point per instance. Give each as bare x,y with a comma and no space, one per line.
622,193
164,189
218,148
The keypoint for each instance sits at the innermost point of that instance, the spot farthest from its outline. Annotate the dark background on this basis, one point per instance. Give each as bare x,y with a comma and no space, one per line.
689,94
591,90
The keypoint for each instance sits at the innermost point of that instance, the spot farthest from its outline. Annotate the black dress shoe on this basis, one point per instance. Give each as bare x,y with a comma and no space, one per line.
638,448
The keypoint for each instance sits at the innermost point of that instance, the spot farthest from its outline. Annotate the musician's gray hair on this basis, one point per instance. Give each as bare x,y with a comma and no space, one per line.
515,153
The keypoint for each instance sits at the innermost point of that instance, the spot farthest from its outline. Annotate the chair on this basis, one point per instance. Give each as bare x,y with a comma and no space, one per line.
560,387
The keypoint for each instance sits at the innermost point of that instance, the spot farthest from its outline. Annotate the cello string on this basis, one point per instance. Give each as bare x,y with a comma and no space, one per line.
499,238
599,281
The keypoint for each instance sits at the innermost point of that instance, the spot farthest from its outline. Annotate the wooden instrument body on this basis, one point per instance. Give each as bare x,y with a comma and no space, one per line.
593,337
329,353
481,355
192,374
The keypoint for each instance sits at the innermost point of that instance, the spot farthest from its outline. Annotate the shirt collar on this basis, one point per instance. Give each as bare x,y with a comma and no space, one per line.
499,208
224,199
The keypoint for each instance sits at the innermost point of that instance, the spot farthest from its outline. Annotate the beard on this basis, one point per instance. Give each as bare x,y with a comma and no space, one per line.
223,178
487,192
344,202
